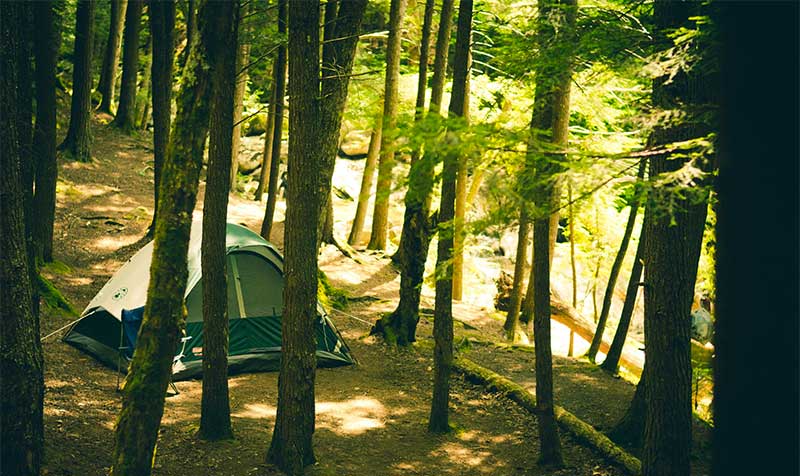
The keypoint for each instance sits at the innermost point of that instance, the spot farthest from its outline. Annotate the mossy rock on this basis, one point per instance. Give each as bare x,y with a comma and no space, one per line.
255,125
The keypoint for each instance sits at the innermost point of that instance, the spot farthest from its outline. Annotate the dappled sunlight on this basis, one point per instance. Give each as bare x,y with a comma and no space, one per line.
114,242
351,417
256,411
462,455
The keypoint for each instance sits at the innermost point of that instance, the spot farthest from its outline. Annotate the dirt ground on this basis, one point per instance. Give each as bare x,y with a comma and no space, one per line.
371,418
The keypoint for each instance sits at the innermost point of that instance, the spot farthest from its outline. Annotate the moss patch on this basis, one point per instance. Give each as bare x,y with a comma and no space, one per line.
330,296
53,298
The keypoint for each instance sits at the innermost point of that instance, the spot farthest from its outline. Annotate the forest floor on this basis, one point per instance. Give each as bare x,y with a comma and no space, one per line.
371,417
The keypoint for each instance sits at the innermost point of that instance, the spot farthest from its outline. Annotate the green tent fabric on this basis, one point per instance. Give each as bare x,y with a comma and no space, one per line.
255,306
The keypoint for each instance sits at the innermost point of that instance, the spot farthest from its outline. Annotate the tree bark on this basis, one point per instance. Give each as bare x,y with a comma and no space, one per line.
512,318
611,364
162,28
400,326
275,163
143,394
78,140
443,307
191,29
629,431
380,214
461,211
594,347
108,74
747,268
367,182
242,59
266,159
215,410
126,109
673,232
46,44
291,446
21,362
146,91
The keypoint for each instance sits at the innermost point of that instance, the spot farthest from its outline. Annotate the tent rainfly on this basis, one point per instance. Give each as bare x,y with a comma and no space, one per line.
108,327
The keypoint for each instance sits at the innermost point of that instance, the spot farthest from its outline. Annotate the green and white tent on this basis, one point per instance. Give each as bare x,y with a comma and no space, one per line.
107,328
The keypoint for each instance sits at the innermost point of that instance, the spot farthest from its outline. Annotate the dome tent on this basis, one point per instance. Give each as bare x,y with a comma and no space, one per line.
255,305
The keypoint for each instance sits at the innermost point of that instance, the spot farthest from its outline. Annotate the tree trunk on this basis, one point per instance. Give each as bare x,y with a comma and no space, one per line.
757,282
291,446
21,362
242,59
266,158
78,140
144,96
215,410
191,29
611,364
512,318
629,431
443,308
126,109
46,44
380,214
549,129
338,55
275,163
571,219
400,326
461,212
674,231
150,371
367,182
591,354
162,29
108,74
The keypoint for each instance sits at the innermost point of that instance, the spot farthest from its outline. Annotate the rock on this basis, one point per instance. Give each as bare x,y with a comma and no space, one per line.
248,166
355,144
255,125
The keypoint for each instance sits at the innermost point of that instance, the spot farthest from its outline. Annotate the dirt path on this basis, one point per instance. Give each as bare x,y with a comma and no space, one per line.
371,417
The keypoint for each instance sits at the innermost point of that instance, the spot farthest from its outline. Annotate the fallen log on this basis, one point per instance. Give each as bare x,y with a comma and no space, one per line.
577,427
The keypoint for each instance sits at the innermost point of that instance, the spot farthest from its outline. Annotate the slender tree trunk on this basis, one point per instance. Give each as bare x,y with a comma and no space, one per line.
611,364
275,163
108,74
614,274
126,109
266,159
291,446
549,128
145,94
242,59
78,140
571,218
380,214
162,28
143,394
757,396
512,318
191,29
401,325
367,182
443,308
215,410
46,44
461,212
672,251
21,362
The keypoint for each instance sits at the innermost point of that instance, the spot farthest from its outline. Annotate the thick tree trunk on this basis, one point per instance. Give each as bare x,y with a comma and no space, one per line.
400,326
380,214
594,347
753,435
275,163
21,362
126,109
291,446
150,371
162,29
266,158
629,431
242,59
673,231
46,44
367,182
108,74
512,318
443,308
78,140
215,410
611,364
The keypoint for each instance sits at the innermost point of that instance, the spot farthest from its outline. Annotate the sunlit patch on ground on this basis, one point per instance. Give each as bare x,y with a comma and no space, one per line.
462,455
112,243
256,411
351,417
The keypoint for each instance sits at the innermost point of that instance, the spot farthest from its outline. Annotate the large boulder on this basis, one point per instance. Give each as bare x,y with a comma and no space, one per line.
355,144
